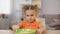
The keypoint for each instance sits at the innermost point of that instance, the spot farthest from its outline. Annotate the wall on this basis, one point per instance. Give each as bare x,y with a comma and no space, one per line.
51,6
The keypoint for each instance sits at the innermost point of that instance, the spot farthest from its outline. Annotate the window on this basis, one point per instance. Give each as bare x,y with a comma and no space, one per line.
5,7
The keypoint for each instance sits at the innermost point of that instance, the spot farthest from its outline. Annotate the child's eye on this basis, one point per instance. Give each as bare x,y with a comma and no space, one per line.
27,15
31,15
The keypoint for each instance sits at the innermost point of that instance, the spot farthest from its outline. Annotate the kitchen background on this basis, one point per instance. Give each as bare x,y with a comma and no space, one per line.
49,9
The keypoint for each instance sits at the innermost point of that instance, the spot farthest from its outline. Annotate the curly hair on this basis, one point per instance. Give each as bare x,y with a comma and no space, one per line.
31,7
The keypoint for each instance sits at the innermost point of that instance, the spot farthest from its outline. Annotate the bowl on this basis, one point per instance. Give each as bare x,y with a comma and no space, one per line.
25,31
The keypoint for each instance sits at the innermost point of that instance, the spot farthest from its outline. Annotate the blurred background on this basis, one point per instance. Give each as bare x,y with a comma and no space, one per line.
11,12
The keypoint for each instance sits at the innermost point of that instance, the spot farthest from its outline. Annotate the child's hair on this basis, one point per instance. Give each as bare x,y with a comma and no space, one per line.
30,7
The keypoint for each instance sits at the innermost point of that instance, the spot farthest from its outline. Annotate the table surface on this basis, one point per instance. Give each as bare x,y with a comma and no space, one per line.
47,32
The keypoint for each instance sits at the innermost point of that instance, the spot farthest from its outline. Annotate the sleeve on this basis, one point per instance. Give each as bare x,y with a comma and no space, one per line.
39,24
20,24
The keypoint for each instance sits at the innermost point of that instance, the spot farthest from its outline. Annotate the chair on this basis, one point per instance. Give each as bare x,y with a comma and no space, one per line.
42,20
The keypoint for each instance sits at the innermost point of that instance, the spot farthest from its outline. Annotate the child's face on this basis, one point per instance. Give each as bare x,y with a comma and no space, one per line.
30,15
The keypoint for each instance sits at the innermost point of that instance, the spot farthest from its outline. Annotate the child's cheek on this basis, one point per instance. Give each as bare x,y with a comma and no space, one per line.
26,18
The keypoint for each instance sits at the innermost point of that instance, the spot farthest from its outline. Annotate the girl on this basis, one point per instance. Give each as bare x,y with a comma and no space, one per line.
30,22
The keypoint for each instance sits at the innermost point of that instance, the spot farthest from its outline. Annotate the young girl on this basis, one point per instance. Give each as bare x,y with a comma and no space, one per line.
30,22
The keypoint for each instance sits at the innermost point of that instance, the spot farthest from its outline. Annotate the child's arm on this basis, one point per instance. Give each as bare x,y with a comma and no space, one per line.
16,27
41,29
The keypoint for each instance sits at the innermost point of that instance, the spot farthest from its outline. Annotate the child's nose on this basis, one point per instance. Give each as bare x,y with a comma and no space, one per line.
30,17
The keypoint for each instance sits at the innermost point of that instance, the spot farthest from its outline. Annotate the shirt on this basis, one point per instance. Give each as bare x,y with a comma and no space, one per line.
34,25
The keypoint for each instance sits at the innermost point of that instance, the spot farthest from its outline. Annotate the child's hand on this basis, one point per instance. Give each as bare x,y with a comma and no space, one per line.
15,27
39,31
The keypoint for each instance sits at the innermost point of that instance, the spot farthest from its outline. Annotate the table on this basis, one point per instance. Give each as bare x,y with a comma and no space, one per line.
47,32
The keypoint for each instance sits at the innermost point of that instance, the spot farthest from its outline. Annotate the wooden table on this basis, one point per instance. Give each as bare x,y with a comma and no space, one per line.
47,32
